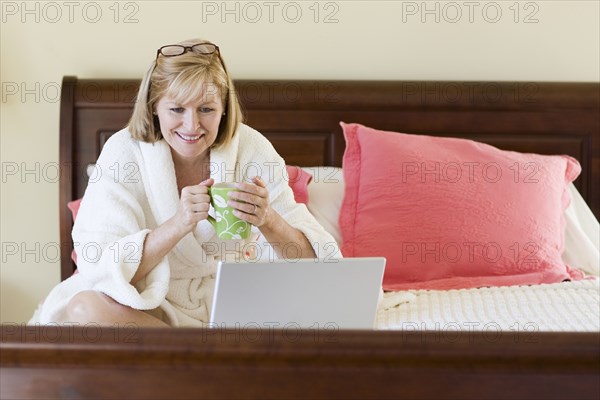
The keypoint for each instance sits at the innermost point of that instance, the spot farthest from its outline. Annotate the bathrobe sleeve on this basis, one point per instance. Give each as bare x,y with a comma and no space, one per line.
112,225
109,234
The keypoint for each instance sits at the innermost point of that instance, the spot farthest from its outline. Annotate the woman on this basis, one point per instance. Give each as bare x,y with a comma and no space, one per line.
146,253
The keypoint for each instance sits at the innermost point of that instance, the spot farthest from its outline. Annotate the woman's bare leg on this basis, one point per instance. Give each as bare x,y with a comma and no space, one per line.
91,306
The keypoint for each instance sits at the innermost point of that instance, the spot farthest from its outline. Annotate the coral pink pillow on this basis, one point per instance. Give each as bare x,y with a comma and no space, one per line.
453,213
299,180
74,207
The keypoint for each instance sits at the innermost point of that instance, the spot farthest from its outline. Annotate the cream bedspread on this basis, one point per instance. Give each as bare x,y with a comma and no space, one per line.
565,306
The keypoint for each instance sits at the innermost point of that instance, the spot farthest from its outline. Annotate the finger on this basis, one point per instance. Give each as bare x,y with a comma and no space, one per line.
200,188
251,218
249,188
197,189
259,181
202,207
247,208
244,197
208,182
192,199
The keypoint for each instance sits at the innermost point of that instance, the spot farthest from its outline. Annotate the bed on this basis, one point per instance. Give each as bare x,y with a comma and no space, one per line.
536,341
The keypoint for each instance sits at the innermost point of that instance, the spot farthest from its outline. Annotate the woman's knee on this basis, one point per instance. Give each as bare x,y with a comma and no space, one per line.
90,305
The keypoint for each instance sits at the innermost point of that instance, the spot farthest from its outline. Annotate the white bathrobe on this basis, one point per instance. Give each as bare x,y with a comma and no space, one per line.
132,191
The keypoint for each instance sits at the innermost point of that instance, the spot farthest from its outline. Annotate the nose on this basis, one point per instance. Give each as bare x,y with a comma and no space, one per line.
191,122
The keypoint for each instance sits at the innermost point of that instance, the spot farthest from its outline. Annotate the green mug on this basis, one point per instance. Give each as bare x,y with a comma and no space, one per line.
227,225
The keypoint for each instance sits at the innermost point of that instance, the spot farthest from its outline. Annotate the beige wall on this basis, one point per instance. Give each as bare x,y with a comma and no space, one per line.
362,40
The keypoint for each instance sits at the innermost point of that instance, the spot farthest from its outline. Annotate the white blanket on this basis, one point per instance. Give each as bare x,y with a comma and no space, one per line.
133,191
582,235
565,306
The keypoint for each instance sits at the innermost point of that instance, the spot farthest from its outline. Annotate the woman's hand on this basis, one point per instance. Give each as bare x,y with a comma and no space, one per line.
193,205
193,208
251,202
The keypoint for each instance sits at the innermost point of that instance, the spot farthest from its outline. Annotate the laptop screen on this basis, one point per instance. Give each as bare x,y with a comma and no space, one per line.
340,293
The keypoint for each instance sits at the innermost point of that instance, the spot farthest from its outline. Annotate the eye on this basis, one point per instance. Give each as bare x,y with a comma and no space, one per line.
205,110
177,110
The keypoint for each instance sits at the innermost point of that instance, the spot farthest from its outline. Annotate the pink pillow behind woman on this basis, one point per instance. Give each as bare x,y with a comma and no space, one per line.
453,213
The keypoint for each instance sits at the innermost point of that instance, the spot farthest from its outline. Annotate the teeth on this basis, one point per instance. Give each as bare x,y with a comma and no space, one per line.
189,137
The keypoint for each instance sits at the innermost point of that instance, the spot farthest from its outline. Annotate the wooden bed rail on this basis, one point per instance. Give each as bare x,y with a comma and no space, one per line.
128,362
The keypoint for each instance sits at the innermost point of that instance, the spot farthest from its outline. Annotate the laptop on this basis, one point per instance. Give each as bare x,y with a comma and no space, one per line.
319,294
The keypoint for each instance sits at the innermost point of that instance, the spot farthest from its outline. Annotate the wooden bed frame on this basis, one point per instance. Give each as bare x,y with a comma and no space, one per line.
301,118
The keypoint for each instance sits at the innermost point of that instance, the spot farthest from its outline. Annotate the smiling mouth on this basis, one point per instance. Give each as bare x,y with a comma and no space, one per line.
189,139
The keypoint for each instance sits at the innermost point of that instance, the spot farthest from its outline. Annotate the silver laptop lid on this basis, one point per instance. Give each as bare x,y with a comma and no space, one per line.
340,293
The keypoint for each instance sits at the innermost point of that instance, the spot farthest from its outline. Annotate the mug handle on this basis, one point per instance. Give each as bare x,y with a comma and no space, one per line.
212,221
210,218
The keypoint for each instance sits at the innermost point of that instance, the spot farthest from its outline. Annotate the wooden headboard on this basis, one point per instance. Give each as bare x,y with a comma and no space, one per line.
301,118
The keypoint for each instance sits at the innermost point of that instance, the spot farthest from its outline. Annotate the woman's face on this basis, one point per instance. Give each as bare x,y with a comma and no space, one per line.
190,129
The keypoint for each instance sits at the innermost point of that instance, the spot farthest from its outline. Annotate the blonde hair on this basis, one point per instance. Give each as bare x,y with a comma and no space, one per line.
184,78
